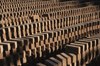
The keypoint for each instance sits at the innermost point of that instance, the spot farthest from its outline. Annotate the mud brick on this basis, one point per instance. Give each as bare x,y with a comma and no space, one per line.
60,44
82,28
62,35
26,47
55,23
68,21
40,64
60,23
63,42
73,58
13,32
1,56
77,50
79,28
50,63
18,32
90,25
1,49
50,37
13,19
23,30
37,39
85,30
55,61
36,45
73,34
68,58
17,60
26,41
63,21
13,45
86,17
88,29
3,34
90,47
35,28
7,48
39,51
27,30
59,35
16,19
55,36
94,45
31,28
34,52
86,53
28,53
42,42
48,47
98,24
49,25
42,27
31,40
69,32
76,19
82,18
98,43
20,42
2,24
23,57
94,26
52,46
76,33
36,18
39,27
9,20
95,48
20,20
8,33
66,33
81,56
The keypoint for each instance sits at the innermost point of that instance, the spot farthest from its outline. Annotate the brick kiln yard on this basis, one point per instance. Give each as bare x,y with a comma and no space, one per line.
49,33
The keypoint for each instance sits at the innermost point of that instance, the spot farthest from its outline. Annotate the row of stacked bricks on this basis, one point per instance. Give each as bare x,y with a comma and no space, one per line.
33,30
79,53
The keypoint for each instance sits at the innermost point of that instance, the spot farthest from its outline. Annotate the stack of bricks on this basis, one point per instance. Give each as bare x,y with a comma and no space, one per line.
78,53
48,33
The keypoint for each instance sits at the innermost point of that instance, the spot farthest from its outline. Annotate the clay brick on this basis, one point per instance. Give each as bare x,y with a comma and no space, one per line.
68,58
50,63
62,59
56,61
